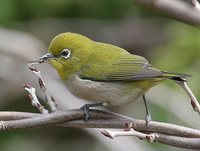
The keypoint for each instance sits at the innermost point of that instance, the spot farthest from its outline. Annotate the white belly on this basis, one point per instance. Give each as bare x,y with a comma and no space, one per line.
110,93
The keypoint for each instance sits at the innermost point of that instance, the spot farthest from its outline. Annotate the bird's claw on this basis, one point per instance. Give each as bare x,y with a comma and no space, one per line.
86,110
148,119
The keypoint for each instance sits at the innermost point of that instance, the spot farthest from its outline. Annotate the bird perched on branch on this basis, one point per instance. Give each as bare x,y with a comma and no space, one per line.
102,73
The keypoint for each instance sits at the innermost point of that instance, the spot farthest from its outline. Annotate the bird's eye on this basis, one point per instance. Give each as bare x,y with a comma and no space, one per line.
65,53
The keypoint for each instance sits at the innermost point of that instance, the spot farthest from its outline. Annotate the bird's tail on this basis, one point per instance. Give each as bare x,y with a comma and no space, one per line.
176,76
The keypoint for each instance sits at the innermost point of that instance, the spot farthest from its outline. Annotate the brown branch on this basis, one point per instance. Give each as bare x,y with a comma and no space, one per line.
176,9
170,134
189,143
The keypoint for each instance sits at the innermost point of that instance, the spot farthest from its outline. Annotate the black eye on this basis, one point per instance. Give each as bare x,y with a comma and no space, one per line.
65,53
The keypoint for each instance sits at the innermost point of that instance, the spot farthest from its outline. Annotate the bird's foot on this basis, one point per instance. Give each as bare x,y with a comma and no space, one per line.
148,115
148,119
86,109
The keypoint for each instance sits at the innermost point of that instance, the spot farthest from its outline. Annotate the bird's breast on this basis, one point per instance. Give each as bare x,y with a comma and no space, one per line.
111,93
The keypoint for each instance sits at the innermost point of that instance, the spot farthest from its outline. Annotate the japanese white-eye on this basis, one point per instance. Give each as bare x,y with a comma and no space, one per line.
102,73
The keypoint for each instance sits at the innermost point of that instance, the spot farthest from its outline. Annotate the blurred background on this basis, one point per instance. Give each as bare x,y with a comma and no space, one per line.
27,27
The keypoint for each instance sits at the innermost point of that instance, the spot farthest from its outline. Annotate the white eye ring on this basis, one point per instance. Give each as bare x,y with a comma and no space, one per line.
65,53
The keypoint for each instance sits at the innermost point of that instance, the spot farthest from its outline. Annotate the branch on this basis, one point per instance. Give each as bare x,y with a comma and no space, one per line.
170,134
196,4
176,9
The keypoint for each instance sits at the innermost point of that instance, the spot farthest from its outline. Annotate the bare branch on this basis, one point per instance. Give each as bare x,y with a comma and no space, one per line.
170,134
156,137
189,143
176,9
196,4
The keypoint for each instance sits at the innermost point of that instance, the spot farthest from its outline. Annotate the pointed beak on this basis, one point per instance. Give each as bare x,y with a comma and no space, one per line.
46,57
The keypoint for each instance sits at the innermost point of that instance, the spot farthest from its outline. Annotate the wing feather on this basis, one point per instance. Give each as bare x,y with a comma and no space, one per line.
124,68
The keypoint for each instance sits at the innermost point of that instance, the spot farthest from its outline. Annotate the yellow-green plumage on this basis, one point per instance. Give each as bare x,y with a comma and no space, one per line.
101,72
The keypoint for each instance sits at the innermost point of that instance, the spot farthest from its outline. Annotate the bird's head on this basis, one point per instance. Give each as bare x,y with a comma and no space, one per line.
67,52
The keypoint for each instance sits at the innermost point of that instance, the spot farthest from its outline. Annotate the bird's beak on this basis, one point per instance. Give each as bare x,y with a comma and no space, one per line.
46,57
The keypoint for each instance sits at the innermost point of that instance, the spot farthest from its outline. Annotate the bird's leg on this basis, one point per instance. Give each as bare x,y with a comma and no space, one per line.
148,115
86,109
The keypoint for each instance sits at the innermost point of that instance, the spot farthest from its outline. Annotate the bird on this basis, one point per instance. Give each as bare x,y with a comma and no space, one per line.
104,74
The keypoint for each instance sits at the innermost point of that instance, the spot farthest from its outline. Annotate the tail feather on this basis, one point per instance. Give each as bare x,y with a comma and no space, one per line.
176,76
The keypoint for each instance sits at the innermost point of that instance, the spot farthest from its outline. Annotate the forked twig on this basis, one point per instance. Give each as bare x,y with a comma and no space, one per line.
49,98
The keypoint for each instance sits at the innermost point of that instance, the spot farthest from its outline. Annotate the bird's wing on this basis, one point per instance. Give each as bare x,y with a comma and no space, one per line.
123,68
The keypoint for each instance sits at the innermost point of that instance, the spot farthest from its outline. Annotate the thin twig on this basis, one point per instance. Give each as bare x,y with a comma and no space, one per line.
194,102
50,100
131,132
34,100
